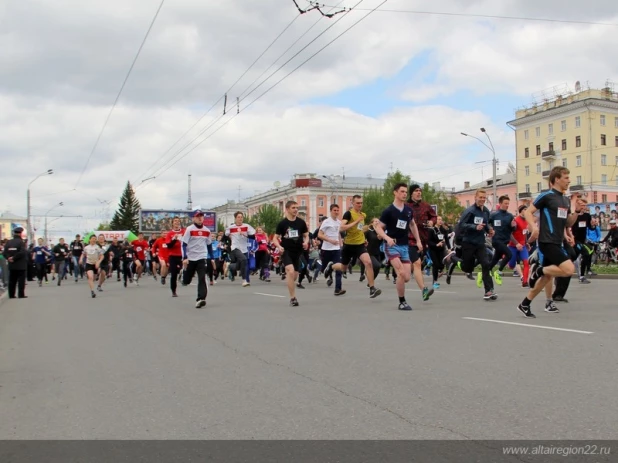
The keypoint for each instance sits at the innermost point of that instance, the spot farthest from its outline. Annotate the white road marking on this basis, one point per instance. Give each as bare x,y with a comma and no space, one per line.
529,326
270,295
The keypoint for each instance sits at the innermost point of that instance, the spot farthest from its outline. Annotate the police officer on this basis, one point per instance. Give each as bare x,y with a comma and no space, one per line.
16,253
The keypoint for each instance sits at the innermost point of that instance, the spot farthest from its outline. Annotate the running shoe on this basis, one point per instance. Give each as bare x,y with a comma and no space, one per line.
526,311
340,292
374,292
436,285
498,277
200,303
479,279
550,307
294,302
427,293
404,306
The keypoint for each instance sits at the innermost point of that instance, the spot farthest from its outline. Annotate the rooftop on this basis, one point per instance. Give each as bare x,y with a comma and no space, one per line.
508,178
10,216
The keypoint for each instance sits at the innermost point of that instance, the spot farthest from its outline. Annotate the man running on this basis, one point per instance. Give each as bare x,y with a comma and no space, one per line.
423,213
159,249
474,224
196,245
173,240
398,220
140,245
555,217
239,234
354,247
331,247
291,238
519,245
502,222
77,248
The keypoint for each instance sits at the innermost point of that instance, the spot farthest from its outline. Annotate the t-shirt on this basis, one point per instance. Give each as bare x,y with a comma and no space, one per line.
354,235
174,249
262,241
501,222
238,235
554,209
128,253
39,256
93,252
197,241
397,223
77,247
160,248
330,228
140,248
106,252
291,233
580,227
521,231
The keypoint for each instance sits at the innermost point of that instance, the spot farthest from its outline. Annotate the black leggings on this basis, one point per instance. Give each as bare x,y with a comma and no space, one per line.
175,267
126,269
41,271
437,255
500,249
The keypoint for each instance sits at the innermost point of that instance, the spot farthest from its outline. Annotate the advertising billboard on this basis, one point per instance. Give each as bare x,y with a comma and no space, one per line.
604,212
154,221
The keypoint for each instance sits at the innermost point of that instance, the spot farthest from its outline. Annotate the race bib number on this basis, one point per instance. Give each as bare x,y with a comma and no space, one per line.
582,224
138,249
164,245
129,256
360,226
562,213
401,224
293,233
39,252
76,248
525,232
497,223
478,220
440,236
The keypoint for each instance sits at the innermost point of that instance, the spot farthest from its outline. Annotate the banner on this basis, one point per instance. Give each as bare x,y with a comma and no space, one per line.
604,212
112,235
155,221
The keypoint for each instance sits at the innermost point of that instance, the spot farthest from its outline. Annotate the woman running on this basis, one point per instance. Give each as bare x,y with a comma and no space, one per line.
92,257
108,255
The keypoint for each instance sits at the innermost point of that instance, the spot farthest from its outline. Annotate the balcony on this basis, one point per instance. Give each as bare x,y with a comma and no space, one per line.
525,194
546,173
302,208
549,155
576,187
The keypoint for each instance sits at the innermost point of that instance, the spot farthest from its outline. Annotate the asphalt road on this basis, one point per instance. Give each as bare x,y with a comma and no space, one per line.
136,364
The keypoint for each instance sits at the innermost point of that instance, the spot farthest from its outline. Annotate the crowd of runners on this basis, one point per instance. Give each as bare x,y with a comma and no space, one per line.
542,242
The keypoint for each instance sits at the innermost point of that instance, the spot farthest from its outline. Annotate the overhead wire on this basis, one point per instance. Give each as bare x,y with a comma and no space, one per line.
214,105
165,168
109,115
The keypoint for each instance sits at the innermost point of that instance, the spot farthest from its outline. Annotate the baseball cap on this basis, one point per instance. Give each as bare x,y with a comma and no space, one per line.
612,222
198,212
18,231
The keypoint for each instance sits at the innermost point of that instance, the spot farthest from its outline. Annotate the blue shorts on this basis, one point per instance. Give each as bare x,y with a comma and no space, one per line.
399,251
517,255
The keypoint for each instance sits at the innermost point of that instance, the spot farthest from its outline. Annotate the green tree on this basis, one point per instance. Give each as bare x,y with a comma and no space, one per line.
220,226
375,200
267,217
448,207
126,216
104,226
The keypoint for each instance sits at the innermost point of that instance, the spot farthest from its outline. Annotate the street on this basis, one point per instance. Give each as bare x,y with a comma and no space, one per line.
135,363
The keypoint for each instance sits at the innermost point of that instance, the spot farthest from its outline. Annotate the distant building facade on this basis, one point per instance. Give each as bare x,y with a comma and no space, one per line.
8,222
506,184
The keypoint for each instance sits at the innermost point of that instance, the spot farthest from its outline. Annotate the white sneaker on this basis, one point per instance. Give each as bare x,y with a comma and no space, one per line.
245,283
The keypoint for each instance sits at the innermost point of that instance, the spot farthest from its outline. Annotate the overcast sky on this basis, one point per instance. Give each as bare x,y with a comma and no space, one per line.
398,88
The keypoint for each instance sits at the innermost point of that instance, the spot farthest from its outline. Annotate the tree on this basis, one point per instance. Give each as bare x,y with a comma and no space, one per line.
268,217
375,200
220,226
126,216
103,226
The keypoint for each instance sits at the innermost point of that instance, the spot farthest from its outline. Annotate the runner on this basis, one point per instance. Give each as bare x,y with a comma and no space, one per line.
154,260
398,220
174,248
291,238
503,224
437,248
116,249
353,223
40,254
159,249
331,247
77,247
127,254
519,245
196,245
555,216
239,234
61,254
262,256
140,245
104,266
92,258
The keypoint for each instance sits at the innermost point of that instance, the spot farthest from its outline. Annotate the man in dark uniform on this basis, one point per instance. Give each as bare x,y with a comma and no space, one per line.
16,254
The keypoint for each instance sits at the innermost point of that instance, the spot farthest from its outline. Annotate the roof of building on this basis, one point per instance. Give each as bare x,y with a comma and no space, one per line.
508,178
10,216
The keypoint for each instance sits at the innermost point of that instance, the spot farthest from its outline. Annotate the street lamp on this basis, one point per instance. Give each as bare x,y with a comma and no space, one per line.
29,228
490,147
54,207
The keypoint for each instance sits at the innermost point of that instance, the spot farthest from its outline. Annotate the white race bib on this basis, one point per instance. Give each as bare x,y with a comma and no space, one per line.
138,249
39,252
562,213
582,224
497,223
401,224
478,220
525,232
440,236
293,233
360,226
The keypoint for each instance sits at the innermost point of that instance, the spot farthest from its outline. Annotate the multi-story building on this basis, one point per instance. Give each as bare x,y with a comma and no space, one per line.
506,185
8,222
225,212
313,193
576,130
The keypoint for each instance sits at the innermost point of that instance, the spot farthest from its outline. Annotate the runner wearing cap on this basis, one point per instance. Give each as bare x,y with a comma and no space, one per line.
196,245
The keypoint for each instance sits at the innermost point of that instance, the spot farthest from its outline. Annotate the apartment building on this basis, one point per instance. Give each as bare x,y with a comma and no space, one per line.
576,130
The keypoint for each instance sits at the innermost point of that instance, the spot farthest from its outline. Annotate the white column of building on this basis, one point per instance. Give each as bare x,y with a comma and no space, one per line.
313,204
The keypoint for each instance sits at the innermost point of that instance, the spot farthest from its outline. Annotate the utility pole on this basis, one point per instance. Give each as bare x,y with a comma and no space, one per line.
494,161
239,190
189,201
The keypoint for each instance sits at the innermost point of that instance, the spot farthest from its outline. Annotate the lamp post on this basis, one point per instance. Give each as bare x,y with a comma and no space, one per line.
490,147
28,226
57,205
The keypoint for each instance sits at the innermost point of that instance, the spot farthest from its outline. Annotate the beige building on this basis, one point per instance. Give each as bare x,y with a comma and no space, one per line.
8,221
576,130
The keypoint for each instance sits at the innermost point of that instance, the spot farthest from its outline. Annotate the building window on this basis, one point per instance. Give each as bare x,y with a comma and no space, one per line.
563,125
551,146
538,186
527,188
579,180
603,142
527,171
538,168
303,202
321,202
604,180
564,145
602,119
604,159
527,134
578,141
616,122
537,131
616,160
603,198
616,141
538,150
551,129
578,121
467,203
564,163
527,153
578,161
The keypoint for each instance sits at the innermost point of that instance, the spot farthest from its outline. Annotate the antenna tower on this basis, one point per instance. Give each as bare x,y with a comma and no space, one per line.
189,201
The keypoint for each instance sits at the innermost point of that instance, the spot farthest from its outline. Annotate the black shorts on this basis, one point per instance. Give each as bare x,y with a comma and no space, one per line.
91,267
292,258
104,265
552,254
141,261
351,251
155,259
413,253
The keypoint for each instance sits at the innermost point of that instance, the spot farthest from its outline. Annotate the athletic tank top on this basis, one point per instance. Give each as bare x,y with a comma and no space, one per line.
355,235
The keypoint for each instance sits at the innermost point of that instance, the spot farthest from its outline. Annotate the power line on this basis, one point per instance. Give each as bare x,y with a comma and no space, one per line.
490,16
145,174
120,92
164,168
279,81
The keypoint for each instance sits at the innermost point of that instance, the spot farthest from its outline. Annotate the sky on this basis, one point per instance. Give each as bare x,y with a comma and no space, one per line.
394,91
